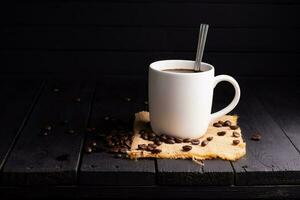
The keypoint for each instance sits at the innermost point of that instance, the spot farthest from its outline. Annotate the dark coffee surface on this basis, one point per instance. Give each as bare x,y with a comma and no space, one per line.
181,70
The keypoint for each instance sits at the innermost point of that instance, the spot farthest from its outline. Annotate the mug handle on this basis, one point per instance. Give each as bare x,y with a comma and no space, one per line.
235,100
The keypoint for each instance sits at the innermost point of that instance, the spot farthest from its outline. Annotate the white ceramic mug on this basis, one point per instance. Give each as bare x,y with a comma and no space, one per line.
180,103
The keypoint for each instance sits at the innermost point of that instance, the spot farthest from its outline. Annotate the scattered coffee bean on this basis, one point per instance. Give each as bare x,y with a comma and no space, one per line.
45,133
93,145
195,142
204,143
227,123
235,142
71,131
235,134
158,142
123,150
187,140
187,148
217,125
78,100
221,122
209,138
170,141
221,133
55,90
127,99
178,140
88,149
234,127
156,151
142,146
256,137
106,118
48,128
114,150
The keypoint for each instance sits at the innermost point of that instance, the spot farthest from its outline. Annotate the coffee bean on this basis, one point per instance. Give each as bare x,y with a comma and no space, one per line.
78,100
114,150
142,131
256,137
204,143
170,137
156,151
55,90
145,136
234,127
88,149
150,148
209,138
195,142
221,133
178,140
106,118
142,146
151,135
48,128
169,141
127,99
44,133
152,145
187,140
123,150
235,142
235,134
217,125
221,122
162,137
128,143
158,142
71,131
227,123
65,122
187,148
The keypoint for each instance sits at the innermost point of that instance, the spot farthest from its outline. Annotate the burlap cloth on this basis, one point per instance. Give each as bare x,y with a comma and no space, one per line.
220,147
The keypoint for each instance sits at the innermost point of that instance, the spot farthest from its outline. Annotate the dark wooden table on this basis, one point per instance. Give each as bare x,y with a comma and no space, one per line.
37,165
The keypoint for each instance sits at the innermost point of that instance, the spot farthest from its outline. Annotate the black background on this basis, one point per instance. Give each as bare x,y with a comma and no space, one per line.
93,38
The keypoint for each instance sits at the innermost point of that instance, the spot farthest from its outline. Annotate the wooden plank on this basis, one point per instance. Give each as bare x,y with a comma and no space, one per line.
207,192
148,38
16,102
273,160
97,64
102,168
151,14
39,159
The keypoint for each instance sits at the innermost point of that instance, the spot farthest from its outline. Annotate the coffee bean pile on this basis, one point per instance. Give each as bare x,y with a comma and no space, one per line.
228,123
119,141
150,147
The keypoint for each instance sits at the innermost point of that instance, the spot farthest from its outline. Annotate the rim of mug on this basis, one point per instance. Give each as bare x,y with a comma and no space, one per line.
154,67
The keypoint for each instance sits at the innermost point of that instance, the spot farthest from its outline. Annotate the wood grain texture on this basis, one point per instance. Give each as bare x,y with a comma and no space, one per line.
148,38
151,14
102,168
273,159
97,64
17,100
37,159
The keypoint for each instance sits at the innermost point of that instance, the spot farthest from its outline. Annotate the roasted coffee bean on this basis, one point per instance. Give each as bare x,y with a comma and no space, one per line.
235,134
128,143
44,133
142,131
204,143
142,146
71,131
187,140
150,148
78,100
127,99
65,122
158,142
151,134
93,144
235,142
145,136
227,123
178,140
152,145
156,151
187,148
48,128
88,149
106,118
123,150
170,141
234,127
195,142
114,150
55,90
162,137
170,137
221,133
256,137
209,138
110,143
221,122
217,125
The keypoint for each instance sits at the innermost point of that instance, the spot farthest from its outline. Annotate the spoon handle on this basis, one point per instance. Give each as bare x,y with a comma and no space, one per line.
201,44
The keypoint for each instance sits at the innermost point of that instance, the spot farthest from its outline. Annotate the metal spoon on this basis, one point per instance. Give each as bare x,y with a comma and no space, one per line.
200,49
